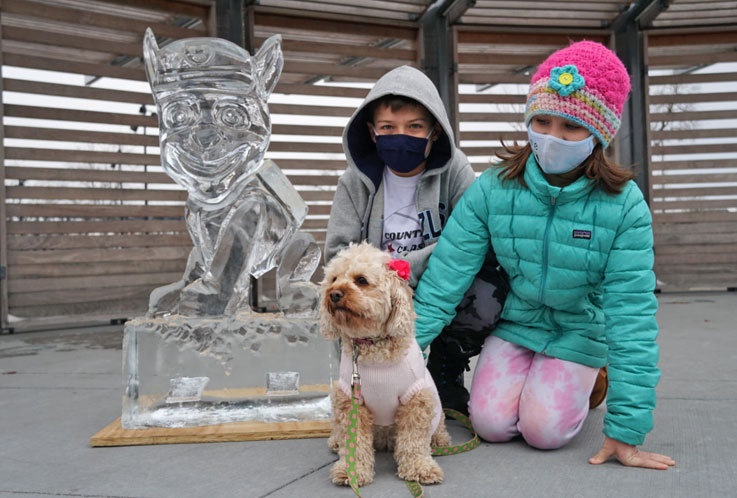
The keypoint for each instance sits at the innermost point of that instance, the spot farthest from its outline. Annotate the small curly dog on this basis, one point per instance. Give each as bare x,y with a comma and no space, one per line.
366,301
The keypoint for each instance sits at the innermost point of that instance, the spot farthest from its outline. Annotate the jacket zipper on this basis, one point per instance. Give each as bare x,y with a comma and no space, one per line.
545,250
366,218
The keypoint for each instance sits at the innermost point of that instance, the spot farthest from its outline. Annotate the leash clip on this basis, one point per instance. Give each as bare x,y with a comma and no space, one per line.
355,378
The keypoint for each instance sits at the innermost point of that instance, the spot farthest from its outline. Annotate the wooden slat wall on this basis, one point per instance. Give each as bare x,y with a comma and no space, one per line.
385,10
332,63
494,71
693,169
93,223
573,14
90,223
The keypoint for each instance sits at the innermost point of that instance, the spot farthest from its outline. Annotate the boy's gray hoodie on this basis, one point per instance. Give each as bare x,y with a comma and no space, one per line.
357,213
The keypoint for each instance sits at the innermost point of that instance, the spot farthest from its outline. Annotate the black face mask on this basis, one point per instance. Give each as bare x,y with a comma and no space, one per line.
402,153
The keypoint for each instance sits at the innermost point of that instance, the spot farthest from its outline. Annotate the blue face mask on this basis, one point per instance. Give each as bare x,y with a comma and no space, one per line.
556,156
402,153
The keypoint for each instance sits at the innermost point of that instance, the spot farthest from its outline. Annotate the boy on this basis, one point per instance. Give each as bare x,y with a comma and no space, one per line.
403,179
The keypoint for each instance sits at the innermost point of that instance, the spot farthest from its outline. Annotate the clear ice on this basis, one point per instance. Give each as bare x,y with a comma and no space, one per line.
202,355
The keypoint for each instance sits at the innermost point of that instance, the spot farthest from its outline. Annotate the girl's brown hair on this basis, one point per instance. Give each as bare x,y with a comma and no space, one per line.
606,174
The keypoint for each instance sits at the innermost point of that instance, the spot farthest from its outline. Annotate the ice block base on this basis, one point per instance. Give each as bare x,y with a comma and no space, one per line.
181,371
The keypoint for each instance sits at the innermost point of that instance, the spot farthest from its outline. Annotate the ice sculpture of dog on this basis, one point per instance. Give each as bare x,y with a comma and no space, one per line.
366,301
242,213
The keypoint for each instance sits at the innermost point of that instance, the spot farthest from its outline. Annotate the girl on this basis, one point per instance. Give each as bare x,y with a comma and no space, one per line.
574,235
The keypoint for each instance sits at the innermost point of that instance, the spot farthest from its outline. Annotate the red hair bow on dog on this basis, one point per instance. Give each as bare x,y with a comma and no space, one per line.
401,267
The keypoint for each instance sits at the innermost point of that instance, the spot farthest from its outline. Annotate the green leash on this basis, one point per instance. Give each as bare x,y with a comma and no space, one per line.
350,444
350,440
414,487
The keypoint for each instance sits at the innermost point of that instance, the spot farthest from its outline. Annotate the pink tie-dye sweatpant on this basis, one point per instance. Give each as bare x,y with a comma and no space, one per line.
517,391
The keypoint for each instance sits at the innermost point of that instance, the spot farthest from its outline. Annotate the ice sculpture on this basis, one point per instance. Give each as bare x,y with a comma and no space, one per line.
202,355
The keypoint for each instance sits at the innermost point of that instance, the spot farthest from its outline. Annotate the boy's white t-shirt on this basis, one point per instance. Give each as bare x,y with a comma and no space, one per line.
401,232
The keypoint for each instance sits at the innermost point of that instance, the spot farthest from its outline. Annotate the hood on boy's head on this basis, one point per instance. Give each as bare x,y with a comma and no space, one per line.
406,81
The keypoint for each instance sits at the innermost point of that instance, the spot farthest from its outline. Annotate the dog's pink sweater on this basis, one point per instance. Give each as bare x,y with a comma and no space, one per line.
384,386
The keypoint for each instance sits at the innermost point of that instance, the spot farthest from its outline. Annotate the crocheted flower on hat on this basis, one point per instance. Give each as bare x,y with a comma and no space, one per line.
566,80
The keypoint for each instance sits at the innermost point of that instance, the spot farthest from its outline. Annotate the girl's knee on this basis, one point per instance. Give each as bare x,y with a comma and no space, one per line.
495,433
544,438
492,428
547,432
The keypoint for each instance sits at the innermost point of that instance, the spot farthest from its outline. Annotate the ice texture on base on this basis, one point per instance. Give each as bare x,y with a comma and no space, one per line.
186,389
282,383
237,355
197,414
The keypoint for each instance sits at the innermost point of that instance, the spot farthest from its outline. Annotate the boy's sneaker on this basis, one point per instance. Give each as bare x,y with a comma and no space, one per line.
447,371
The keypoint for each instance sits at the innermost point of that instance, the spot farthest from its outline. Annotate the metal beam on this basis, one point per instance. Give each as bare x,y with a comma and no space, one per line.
642,13
650,12
454,9
438,51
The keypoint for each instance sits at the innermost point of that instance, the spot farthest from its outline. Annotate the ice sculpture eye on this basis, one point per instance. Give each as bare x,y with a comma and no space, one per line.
232,115
180,114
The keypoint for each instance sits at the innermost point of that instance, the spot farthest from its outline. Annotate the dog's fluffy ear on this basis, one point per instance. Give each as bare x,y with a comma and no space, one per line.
402,315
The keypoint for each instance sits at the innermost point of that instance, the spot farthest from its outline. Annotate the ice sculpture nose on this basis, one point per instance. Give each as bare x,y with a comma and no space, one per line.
336,295
206,136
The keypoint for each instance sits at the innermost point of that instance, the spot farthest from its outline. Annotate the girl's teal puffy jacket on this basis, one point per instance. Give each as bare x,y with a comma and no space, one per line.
579,263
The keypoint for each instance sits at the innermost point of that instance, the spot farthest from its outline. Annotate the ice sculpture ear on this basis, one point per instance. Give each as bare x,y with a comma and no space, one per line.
151,57
269,63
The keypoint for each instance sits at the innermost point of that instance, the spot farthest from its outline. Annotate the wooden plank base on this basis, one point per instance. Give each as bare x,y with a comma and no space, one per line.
115,435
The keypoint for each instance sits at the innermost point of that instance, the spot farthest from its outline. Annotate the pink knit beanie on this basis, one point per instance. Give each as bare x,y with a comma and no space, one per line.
584,82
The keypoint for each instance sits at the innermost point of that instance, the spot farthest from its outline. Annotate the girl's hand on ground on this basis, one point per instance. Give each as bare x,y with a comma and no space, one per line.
630,456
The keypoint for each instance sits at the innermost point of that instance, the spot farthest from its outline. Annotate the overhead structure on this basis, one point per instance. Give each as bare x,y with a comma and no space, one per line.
89,223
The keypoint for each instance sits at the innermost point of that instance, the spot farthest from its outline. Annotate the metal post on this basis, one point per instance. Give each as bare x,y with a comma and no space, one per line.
633,142
234,22
4,324
632,139
438,51
229,20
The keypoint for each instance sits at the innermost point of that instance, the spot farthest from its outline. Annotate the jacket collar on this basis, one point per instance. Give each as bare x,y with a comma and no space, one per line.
543,190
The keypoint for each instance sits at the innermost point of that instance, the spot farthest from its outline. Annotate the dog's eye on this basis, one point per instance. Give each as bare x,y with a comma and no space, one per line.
361,280
334,279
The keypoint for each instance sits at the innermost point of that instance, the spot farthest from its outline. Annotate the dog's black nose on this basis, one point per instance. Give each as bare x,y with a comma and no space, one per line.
336,295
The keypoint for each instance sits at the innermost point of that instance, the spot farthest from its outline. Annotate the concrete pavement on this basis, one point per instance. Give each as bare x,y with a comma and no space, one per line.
57,388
